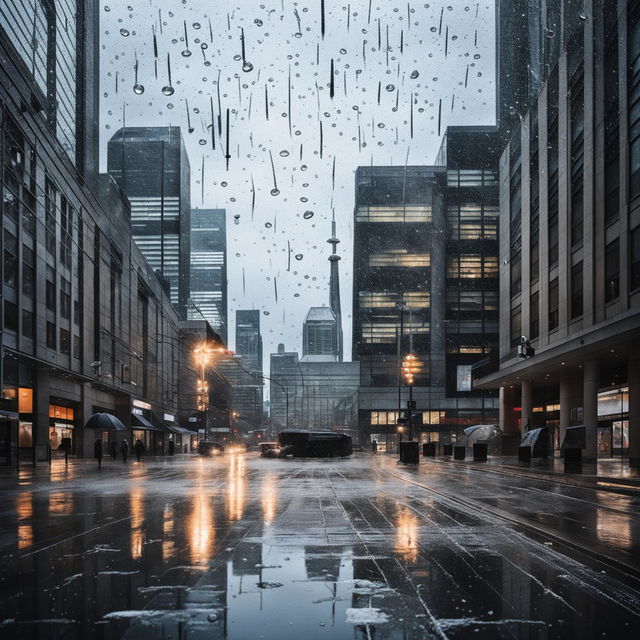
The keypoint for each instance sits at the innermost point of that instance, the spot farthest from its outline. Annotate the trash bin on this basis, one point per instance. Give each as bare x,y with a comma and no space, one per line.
524,453
480,451
447,450
573,460
429,449
459,452
409,452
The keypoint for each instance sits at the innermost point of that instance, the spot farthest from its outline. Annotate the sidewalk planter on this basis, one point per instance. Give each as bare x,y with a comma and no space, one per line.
447,450
430,449
524,453
459,452
409,452
480,451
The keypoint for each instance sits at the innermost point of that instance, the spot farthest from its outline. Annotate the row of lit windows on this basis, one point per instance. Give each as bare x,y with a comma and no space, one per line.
391,417
386,300
406,213
385,332
472,266
471,178
400,258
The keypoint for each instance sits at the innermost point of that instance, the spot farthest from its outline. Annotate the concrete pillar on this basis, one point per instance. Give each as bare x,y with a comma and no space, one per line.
438,293
570,398
526,405
590,408
634,412
507,415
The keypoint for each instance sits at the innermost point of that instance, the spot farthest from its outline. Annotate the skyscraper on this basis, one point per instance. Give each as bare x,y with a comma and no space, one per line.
425,281
249,339
152,168
209,266
320,333
54,46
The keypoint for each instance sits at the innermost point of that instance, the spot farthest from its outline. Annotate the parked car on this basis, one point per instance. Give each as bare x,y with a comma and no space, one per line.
269,449
207,448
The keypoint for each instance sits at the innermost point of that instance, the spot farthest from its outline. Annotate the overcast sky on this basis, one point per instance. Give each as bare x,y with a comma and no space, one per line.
441,53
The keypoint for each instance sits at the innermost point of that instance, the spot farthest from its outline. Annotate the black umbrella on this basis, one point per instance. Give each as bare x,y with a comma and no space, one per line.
104,422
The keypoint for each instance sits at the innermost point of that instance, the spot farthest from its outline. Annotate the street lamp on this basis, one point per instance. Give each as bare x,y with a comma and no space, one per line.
203,353
411,366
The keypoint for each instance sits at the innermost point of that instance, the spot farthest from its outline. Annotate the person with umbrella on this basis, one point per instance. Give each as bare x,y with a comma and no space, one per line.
138,447
124,450
97,451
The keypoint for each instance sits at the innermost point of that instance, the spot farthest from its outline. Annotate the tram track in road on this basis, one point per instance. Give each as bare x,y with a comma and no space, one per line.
600,561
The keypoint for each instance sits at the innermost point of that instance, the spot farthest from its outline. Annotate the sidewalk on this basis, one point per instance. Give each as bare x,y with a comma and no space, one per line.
609,474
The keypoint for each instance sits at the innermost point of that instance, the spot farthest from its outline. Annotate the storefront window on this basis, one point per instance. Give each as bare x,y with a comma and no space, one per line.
25,434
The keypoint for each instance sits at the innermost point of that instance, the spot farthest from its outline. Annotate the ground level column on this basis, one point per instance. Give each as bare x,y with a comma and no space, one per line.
633,369
590,409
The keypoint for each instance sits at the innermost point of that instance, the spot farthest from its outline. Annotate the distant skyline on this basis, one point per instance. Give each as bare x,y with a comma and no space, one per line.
447,63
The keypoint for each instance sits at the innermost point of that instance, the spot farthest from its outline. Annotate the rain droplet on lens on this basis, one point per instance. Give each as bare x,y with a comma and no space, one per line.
275,192
284,153
414,74
138,88
124,32
168,91
307,215
268,225
390,87
202,141
299,256
186,53
247,67
266,313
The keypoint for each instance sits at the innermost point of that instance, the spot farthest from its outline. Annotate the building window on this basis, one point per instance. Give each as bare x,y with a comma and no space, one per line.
553,240
10,316
65,342
10,259
66,230
463,377
384,417
534,316
516,274
65,298
472,266
612,270
51,295
28,274
51,335
399,258
28,328
516,325
635,258
577,287
409,213
50,197
553,305
612,115
76,347
535,249
576,130
633,56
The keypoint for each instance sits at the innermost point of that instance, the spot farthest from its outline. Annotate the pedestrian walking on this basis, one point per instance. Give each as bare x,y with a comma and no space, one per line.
124,450
139,448
97,451
113,450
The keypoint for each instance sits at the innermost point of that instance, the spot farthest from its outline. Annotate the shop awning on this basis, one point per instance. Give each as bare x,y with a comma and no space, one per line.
176,429
140,422
104,422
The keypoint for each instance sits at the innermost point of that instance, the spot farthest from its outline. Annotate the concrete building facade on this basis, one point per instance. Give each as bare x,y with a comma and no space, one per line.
570,240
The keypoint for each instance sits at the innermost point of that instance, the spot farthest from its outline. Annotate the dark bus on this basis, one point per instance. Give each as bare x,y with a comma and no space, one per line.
314,444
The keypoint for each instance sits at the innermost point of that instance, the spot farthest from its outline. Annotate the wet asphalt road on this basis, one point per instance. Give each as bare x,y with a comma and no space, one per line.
240,547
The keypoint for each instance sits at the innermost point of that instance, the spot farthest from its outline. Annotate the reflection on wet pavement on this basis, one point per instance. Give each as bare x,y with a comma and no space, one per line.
242,547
